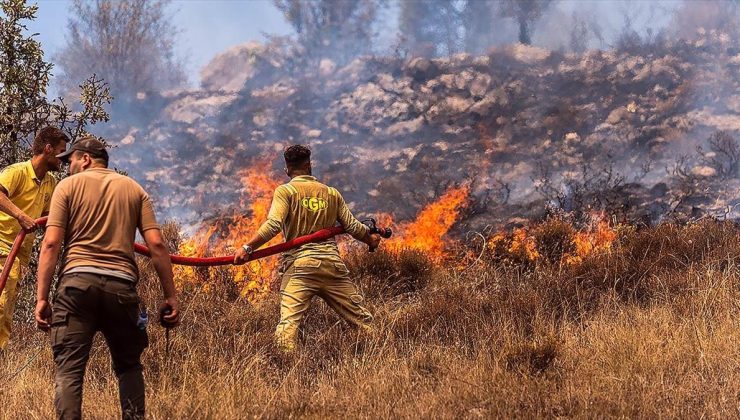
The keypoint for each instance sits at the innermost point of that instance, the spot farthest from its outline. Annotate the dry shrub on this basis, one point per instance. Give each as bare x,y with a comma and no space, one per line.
640,264
648,329
171,234
546,243
384,273
450,315
639,267
554,239
533,356
525,298
513,250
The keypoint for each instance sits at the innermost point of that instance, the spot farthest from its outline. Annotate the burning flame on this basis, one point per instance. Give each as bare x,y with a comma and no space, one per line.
228,233
193,247
521,245
425,233
599,239
255,276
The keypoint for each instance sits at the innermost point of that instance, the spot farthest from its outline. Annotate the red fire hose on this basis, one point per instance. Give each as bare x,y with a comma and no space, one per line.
318,236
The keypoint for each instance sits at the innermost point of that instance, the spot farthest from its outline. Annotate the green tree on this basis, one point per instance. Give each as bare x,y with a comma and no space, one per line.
526,13
431,28
25,77
128,43
335,29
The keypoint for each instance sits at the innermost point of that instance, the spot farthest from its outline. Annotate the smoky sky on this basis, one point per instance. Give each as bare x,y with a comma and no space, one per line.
610,17
209,27
233,125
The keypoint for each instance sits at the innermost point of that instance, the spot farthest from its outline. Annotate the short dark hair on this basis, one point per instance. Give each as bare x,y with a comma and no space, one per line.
48,135
297,156
100,160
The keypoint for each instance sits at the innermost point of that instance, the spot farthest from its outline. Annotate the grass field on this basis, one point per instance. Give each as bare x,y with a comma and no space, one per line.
649,328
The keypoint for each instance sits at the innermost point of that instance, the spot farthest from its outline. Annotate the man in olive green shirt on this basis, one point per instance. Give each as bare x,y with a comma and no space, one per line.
301,207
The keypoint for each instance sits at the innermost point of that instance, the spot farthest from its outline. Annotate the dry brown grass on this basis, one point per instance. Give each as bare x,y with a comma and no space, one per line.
648,330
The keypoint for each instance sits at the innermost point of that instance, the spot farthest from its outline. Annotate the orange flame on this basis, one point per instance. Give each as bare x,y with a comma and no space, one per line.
521,244
425,233
193,247
598,239
254,278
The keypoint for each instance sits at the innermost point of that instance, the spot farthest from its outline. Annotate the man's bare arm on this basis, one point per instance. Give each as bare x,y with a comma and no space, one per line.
163,267
48,258
7,207
254,242
271,227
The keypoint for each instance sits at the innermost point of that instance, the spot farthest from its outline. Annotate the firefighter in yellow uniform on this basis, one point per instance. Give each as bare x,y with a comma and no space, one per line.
301,207
25,195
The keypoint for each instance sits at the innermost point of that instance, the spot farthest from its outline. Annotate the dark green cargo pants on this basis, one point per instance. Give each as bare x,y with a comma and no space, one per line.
87,303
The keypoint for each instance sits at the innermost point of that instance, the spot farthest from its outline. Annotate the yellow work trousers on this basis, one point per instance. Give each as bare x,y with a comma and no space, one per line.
326,277
8,299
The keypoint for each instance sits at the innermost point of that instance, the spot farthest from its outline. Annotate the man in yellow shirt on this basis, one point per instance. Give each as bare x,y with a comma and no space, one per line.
301,207
25,194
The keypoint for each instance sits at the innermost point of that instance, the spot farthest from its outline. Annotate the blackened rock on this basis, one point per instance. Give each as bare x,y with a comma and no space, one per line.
421,69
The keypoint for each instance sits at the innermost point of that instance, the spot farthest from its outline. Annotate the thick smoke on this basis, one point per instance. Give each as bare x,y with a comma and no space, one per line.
604,111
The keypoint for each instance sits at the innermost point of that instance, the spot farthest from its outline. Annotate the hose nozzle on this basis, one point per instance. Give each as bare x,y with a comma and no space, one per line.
372,224
375,230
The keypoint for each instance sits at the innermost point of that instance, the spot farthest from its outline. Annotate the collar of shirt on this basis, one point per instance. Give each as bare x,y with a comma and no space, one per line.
32,174
100,169
301,178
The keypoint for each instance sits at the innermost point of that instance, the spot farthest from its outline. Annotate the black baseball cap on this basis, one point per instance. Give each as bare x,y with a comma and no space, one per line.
87,144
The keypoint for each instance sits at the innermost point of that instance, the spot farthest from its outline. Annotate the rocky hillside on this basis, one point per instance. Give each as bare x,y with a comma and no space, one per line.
525,127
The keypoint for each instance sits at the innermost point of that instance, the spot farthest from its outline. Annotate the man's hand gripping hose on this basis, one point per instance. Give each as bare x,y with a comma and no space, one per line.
375,230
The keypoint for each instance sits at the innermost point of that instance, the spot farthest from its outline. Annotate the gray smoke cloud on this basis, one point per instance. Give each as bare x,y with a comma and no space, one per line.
526,125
